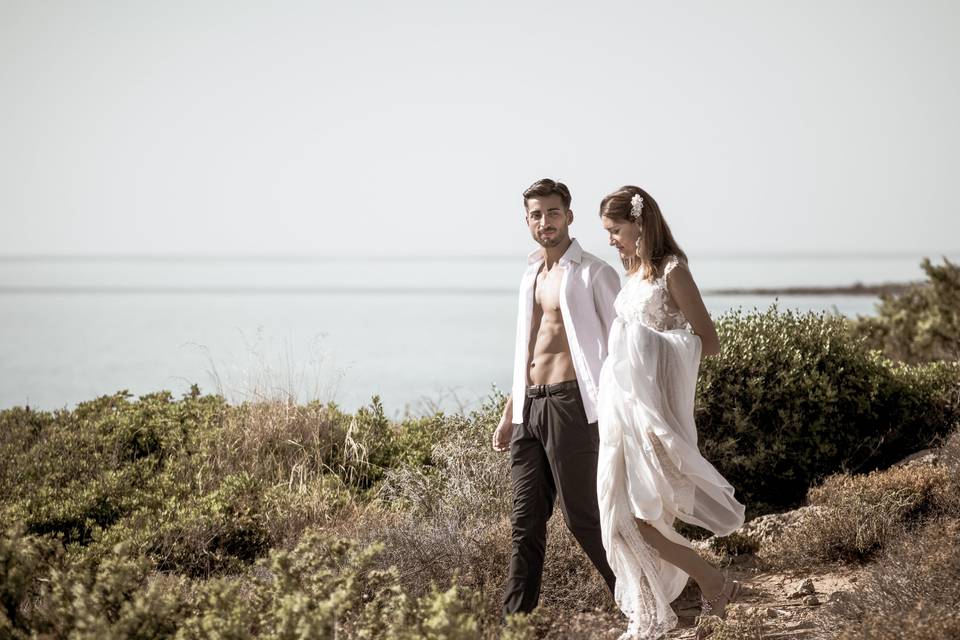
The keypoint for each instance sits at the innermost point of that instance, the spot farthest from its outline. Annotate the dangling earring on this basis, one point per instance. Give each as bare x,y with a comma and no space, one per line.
638,247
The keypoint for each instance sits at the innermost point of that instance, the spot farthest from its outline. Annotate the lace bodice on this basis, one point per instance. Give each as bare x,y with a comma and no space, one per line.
649,302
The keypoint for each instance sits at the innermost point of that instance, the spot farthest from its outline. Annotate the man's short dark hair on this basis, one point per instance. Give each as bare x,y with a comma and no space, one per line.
547,187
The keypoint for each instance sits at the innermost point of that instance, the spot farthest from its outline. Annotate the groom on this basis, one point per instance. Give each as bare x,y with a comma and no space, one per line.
549,423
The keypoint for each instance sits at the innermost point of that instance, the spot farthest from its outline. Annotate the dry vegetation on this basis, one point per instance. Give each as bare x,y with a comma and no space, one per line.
895,531
192,518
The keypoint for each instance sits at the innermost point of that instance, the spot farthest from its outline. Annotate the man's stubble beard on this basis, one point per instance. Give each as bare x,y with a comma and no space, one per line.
549,243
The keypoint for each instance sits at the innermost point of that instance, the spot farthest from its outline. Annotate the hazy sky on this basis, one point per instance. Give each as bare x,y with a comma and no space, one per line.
413,127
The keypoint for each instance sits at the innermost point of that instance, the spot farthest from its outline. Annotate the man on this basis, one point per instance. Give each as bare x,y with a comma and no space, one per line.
549,423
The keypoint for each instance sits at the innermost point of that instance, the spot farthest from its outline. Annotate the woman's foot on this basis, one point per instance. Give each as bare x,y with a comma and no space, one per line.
717,607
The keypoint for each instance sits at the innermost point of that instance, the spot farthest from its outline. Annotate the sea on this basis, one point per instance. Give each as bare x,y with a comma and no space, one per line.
421,333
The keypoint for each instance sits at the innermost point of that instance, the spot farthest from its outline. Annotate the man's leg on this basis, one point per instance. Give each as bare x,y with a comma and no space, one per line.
533,496
572,448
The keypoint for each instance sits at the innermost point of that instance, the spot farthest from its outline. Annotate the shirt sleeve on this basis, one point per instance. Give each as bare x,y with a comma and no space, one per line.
606,286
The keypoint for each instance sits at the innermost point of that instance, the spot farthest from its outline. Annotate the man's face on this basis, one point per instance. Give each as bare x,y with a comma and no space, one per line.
548,220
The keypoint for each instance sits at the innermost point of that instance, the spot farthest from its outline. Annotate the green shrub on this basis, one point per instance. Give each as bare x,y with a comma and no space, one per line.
324,587
111,598
921,324
74,473
794,397
22,559
212,533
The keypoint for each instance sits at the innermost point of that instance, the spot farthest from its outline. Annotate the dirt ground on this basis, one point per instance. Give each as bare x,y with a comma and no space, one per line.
782,608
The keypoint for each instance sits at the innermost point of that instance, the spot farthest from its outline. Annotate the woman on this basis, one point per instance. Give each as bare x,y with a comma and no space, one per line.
650,471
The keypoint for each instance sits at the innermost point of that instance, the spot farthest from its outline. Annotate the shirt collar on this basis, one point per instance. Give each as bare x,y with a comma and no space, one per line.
574,253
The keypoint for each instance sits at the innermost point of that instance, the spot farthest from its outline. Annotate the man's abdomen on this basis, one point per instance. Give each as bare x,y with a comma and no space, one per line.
550,361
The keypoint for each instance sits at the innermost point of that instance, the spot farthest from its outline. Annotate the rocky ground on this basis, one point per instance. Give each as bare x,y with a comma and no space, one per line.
779,605
775,606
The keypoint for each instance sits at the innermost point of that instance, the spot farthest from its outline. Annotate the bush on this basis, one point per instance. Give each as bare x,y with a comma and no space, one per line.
449,517
323,588
921,324
854,517
464,480
736,627
282,442
915,582
76,473
915,578
201,486
110,599
452,518
793,397
22,558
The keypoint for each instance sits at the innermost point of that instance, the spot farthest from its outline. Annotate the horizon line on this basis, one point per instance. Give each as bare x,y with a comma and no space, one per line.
857,289
310,257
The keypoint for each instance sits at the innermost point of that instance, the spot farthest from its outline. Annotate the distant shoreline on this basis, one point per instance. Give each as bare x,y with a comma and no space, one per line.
857,289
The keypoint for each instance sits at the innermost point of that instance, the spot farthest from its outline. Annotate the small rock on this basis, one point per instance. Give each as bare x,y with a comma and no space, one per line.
805,588
811,601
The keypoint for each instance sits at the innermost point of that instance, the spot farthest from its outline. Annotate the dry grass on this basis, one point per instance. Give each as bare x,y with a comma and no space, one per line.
452,519
915,583
736,627
855,517
278,441
912,588
923,622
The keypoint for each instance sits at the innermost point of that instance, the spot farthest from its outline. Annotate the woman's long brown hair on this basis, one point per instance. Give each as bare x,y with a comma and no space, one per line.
656,240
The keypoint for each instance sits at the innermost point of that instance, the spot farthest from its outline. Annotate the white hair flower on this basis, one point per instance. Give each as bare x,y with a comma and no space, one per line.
636,208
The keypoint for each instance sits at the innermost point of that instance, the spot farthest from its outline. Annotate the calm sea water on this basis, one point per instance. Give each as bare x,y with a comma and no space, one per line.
420,333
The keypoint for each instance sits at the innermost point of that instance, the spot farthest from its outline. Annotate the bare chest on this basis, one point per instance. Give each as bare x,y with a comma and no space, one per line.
546,295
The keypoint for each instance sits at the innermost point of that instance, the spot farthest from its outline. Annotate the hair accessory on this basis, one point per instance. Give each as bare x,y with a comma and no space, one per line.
636,208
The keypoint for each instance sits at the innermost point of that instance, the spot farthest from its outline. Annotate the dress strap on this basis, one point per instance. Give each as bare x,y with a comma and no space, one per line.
669,265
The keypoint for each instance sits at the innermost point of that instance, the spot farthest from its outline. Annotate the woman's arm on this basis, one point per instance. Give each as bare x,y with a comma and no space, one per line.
685,293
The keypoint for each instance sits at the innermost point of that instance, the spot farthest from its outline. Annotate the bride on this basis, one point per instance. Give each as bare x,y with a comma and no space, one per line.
650,472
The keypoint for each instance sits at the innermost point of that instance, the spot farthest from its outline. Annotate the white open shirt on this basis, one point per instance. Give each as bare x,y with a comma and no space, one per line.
587,292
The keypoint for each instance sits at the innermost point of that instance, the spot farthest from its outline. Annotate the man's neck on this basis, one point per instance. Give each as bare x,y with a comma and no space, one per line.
553,254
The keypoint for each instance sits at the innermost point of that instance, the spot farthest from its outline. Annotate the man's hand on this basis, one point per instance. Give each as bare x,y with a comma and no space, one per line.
501,436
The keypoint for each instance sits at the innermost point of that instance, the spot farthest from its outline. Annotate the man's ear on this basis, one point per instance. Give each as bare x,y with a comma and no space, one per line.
569,216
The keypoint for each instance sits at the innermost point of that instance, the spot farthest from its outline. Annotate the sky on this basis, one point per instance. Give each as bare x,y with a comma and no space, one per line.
408,129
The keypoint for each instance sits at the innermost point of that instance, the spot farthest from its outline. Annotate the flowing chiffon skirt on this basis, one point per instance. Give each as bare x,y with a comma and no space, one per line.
650,468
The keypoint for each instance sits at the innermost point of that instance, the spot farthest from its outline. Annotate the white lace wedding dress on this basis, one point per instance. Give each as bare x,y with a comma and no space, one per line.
649,466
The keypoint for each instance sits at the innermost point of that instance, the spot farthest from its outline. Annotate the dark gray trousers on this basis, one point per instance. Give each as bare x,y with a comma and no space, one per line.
554,452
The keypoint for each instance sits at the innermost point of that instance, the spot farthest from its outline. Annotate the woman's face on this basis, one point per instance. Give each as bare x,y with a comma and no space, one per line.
623,235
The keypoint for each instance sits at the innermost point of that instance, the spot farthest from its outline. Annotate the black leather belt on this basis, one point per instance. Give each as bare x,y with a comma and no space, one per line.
545,390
